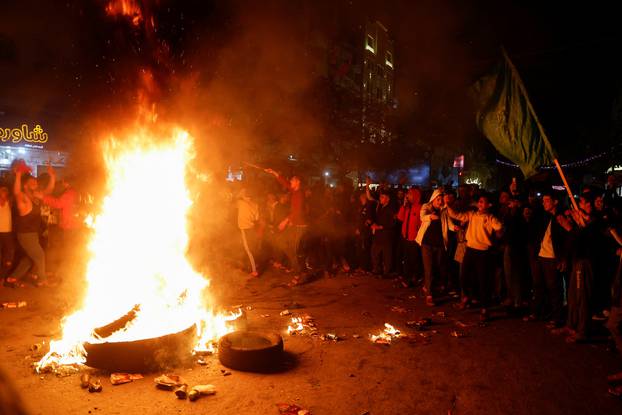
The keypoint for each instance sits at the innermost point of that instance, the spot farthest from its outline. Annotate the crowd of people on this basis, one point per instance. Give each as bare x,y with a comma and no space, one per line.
31,206
526,252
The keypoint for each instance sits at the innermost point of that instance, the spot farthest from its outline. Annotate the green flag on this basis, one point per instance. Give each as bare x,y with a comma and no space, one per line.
505,116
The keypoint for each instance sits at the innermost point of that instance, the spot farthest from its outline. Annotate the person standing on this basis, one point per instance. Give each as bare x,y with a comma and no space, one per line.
382,231
409,215
551,262
363,233
295,222
248,216
477,258
68,224
7,242
28,224
433,239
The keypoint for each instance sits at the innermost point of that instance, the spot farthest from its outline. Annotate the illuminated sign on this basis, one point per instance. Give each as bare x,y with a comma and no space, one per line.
16,135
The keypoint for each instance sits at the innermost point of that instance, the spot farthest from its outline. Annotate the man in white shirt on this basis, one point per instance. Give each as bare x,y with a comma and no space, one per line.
551,262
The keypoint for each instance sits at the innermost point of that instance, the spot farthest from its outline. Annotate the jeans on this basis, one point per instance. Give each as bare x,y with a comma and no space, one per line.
434,259
34,256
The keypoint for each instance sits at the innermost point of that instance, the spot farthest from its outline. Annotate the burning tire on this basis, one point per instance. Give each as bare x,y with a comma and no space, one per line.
251,351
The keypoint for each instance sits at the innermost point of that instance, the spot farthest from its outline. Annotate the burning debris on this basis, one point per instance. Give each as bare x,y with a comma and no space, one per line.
13,304
163,292
302,325
385,337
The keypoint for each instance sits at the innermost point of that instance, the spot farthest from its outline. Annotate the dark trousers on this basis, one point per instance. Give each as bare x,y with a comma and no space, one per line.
363,251
413,267
580,291
7,253
547,284
478,274
434,262
382,250
293,239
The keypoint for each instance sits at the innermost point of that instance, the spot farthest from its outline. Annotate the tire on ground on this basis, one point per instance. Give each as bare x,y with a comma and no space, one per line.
251,351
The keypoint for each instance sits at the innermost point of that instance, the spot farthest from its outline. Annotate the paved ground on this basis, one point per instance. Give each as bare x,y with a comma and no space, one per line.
507,367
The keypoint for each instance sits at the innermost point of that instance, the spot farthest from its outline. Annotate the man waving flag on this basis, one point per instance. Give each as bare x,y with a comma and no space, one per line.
506,117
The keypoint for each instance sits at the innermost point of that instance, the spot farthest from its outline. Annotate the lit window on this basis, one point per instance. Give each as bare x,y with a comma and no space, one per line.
370,44
389,60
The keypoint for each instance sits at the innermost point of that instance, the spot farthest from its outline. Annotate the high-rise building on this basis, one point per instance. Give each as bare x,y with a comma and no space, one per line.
378,84
378,65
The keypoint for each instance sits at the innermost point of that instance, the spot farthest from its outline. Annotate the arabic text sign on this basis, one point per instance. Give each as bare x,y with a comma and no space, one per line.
16,135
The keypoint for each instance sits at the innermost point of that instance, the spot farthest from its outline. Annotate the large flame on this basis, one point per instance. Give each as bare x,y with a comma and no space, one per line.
138,252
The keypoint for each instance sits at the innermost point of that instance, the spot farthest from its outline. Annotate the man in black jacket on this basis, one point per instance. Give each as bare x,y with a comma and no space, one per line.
551,262
382,229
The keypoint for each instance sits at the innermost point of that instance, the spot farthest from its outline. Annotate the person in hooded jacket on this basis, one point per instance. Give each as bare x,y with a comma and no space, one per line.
433,239
409,216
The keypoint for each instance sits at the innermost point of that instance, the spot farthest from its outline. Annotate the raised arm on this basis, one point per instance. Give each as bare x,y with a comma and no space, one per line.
17,185
461,216
52,182
282,180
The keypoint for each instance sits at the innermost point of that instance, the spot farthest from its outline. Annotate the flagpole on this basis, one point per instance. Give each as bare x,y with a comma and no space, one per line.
544,137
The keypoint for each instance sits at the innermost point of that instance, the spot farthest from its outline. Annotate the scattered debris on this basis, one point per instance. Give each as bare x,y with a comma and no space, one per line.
249,307
201,390
412,297
386,336
225,372
291,409
193,395
285,313
121,378
356,336
265,315
182,392
398,309
64,370
463,325
85,378
14,304
420,325
330,337
169,382
95,385
302,325
440,314
457,333
202,361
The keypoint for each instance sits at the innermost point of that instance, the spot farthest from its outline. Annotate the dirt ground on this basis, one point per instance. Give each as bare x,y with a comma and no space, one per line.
506,367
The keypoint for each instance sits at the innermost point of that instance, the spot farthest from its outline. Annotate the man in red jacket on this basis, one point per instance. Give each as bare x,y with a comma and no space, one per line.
69,223
295,224
409,215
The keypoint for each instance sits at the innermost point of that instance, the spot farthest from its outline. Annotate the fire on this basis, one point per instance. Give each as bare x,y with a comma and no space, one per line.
129,8
296,326
386,336
137,253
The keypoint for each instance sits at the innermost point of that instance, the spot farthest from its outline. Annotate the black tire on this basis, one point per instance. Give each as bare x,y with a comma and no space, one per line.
251,351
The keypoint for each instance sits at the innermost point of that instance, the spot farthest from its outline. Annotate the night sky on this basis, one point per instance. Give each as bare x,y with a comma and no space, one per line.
67,62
